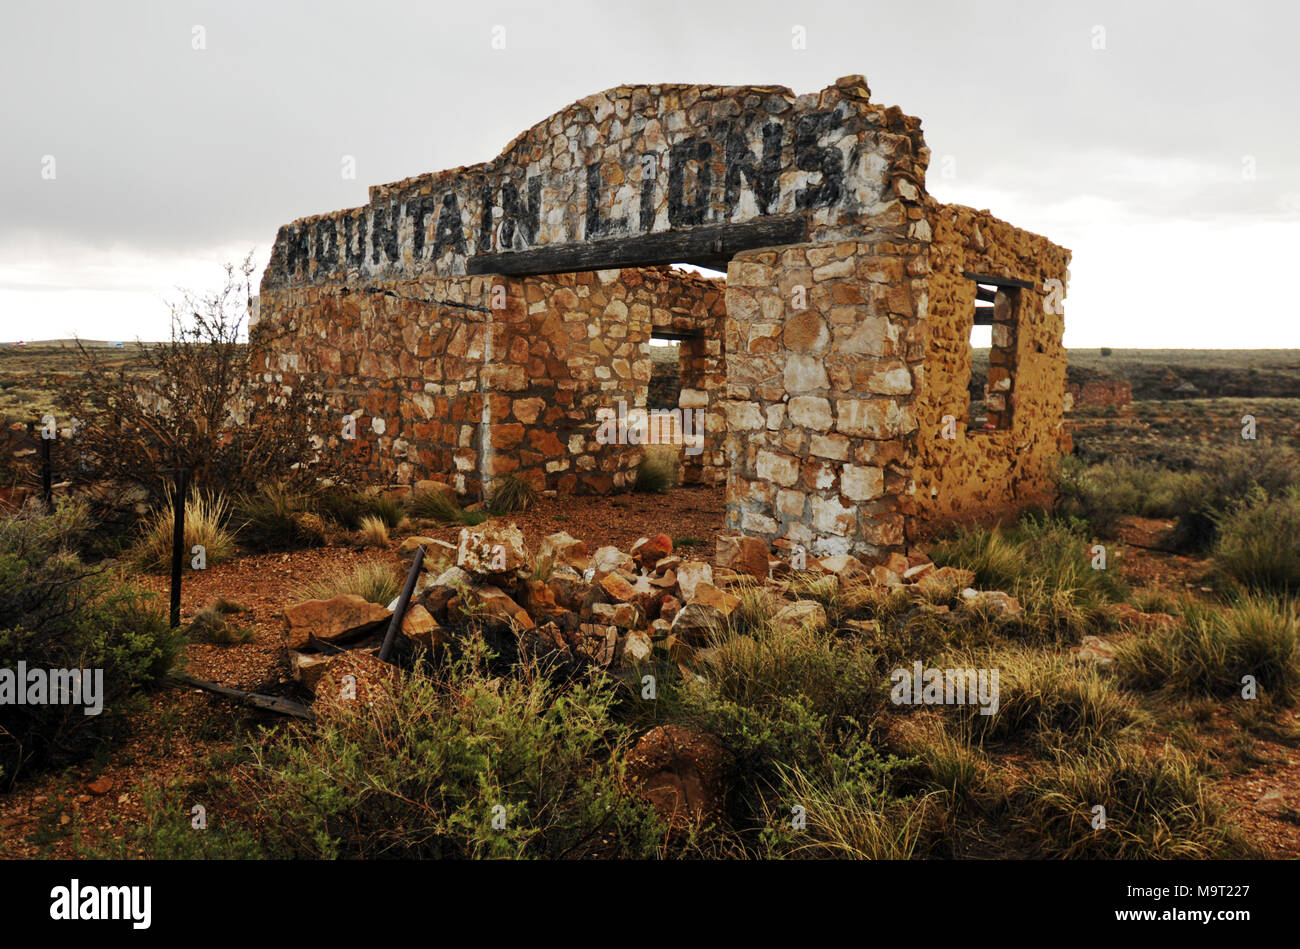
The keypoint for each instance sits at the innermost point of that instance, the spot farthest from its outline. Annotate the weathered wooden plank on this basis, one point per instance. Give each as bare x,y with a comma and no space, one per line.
272,703
706,246
997,281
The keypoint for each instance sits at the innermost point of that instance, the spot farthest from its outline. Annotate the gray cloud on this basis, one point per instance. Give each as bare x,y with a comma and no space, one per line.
169,150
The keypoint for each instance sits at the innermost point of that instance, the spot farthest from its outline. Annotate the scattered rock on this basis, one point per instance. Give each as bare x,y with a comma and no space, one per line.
681,772
493,601
421,629
438,593
1000,605
609,559
638,646
845,566
307,668
1129,616
337,619
1095,649
648,551
492,550
707,611
692,573
800,614
748,555
913,574
561,549
100,786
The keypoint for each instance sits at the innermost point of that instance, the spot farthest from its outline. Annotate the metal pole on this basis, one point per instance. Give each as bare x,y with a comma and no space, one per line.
395,624
178,545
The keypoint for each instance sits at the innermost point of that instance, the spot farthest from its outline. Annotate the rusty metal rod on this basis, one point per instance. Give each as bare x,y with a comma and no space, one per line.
403,601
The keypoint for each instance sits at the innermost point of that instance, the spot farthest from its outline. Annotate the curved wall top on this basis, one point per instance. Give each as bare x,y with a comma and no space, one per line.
631,162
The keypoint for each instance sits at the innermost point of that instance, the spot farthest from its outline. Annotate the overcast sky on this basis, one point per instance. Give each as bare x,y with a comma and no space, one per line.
1157,140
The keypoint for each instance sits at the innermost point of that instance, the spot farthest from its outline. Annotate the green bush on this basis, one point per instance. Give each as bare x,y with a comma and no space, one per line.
438,506
1102,494
1209,651
374,581
277,517
1229,479
423,776
1259,543
57,613
205,519
1048,697
1046,563
1157,806
510,495
347,507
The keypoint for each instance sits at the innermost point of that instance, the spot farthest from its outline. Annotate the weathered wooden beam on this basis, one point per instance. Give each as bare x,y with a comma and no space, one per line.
272,703
705,246
997,281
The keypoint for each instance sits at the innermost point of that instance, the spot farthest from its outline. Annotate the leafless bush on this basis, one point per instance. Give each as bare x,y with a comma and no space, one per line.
192,402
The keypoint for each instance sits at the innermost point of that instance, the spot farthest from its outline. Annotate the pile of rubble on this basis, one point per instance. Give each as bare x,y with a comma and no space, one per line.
582,608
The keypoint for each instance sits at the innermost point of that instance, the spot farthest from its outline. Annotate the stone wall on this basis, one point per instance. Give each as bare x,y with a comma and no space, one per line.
415,362
985,472
821,422
824,371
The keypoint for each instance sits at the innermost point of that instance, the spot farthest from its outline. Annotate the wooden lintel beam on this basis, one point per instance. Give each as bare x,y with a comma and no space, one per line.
997,281
706,246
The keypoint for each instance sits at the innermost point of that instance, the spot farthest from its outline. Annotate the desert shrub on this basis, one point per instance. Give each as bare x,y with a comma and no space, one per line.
1101,494
164,832
777,697
374,581
206,514
849,811
657,474
1230,479
1157,807
277,517
438,506
373,532
1259,542
347,506
1209,651
424,775
1050,698
510,495
1046,563
214,624
57,613
189,401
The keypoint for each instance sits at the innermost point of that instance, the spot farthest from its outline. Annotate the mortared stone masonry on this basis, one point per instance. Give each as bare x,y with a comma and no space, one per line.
485,321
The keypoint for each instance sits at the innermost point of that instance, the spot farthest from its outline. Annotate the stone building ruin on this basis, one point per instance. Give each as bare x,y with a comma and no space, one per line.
485,321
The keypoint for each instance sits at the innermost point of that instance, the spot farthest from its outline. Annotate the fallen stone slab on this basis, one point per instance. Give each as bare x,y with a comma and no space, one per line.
562,549
747,555
690,574
801,614
337,619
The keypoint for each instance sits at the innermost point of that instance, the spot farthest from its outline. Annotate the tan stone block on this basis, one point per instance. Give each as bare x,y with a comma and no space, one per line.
859,483
811,412
779,469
